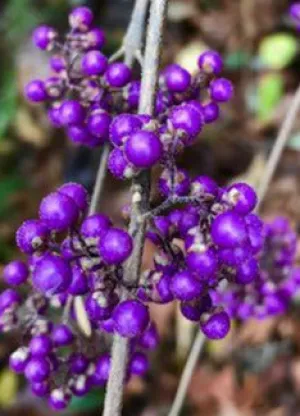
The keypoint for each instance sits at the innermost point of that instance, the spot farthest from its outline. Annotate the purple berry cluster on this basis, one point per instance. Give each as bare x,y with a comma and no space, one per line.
277,281
96,100
70,255
213,239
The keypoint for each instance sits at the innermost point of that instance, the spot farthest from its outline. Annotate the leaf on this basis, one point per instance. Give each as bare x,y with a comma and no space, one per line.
93,400
278,50
269,93
8,387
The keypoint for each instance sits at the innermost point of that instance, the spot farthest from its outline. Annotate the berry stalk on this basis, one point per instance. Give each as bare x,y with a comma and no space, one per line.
140,203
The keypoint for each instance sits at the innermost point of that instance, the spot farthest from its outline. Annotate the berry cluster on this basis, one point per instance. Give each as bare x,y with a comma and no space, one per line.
69,255
214,238
97,100
271,292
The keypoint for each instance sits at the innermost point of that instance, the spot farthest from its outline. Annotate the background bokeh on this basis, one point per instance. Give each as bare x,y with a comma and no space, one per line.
256,369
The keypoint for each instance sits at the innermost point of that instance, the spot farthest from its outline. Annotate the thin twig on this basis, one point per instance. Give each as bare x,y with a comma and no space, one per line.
280,142
98,187
187,374
140,205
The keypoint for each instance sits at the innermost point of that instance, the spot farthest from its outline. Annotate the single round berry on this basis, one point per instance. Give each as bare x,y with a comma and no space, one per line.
94,63
119,166
181,185
71,113
132,94
58,211
95,38
150,338
79,284
143,149
58,63
203,263
210,112
243,198
35,91
194,309
102,370
185,287
216,326
138,364
295,12
247,271
77,193
210,62
115,246
163,288
80,135
228,230
118,75
62,335
59,399
98,124
78,363
40,389
95,226
177,79
19,359
99,306
31,236
15,273
52,275
40,346
122,126
131,318
203,185
8,299
43,37
81,18
37,369
54,115
185,117
221,90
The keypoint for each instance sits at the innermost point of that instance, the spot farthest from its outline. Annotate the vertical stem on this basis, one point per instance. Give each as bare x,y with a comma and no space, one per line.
140,203
187,374
280,142
98,187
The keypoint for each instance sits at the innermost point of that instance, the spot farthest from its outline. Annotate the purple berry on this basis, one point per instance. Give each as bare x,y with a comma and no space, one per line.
71,113
203,185
243,198
8,299
58,63
210,62
76,192
228,230
185,287
138,364
95,226
43,37
150,338
41,389
118,74
99,306
102,370
185,117
216,326
15,273
80,135
122,126
143,149
40,346
131,318
98,124
58,211
78,363
177,78
81,18
247,271
35,91
62,335
119,166
194,309
79,285
115,246
94,63
52,275
95,38
19,359
221,90
295,12
210,112
37,369
59,399
202,262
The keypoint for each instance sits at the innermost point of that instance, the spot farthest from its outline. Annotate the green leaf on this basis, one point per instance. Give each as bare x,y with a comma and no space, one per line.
278,50
269,92
93,400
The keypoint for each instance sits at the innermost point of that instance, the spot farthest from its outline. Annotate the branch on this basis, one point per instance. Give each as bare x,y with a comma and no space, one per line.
140,205
97,191
280,142
187,374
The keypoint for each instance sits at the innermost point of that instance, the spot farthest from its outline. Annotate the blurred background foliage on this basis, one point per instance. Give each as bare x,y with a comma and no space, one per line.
260,46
